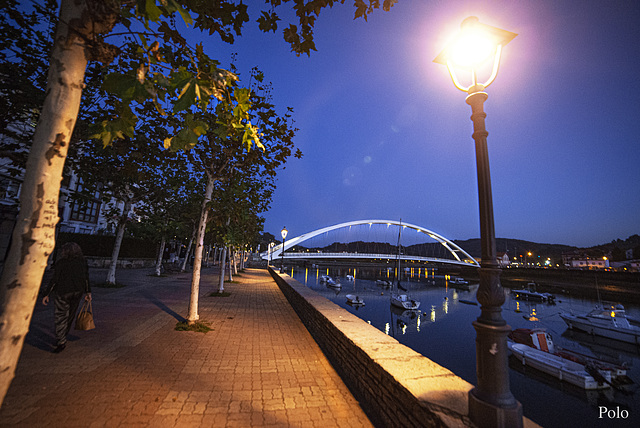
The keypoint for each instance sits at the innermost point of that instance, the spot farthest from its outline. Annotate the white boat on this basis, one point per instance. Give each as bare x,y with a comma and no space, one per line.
531,294
397,299
383,282
404,301
458,281
558,367
333,283
330,282
350,278
539,339
352,299
608,322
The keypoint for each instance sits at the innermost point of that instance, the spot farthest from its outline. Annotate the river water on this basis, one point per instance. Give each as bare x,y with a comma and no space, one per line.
442,331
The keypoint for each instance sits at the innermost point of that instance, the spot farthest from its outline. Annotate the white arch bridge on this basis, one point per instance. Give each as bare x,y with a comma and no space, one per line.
372,240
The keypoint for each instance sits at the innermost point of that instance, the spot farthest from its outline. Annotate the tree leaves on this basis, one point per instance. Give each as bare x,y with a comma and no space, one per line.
187,137
268,21
121,127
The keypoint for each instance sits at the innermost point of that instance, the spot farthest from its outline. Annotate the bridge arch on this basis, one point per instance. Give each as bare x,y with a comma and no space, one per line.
458,255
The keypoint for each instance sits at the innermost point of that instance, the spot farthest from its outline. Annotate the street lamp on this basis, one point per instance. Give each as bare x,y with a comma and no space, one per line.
491,403
283,233
271,244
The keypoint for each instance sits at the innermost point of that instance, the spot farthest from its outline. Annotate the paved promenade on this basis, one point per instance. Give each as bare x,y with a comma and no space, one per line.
258,367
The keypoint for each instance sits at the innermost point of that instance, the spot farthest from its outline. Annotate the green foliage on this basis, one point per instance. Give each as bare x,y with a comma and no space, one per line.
218,294
268,21
198,326
27,34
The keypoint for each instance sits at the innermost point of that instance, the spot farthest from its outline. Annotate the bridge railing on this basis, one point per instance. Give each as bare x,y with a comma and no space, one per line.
372,256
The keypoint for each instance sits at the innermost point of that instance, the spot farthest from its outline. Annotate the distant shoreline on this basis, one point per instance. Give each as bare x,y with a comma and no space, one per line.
619,287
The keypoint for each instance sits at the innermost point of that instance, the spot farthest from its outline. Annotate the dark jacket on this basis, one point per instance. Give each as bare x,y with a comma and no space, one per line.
70,276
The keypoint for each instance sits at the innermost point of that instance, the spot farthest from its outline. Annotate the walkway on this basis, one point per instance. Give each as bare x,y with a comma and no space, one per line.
258,367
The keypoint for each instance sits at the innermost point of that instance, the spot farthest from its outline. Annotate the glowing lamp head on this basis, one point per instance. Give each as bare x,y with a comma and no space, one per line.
473,46
284,232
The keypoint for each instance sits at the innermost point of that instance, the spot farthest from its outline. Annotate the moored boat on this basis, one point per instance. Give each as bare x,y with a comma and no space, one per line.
405,302
610,321
531,294
330,282
539,339
333,283
558,367
352,299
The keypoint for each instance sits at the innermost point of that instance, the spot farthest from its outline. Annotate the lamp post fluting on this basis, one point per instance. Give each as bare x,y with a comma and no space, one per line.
283,233
491,403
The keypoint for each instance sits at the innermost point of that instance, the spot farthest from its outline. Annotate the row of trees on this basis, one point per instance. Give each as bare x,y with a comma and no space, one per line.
172,124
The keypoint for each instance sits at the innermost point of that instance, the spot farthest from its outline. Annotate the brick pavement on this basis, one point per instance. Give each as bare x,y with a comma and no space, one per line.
258,367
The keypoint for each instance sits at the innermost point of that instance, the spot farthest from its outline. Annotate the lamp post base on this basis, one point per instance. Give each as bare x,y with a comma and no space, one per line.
485,414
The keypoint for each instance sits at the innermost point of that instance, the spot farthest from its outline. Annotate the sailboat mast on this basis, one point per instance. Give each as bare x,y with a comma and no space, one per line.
398,254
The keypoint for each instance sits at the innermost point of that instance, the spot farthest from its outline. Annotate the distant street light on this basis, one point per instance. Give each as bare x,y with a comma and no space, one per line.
491,403
283,232
271,244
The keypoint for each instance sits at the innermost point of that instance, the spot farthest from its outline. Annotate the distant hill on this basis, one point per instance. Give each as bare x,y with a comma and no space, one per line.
517,247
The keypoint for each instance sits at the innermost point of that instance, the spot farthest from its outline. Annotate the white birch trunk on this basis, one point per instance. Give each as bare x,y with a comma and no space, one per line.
229,252
159,260
193,316
207,255
222,266
34,233
235,261
188,253
122,225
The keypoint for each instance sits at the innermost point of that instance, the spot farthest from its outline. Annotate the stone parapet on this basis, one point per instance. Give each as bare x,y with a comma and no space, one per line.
394,384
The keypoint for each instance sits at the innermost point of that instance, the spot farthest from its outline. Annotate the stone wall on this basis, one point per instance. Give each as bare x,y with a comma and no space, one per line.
396,386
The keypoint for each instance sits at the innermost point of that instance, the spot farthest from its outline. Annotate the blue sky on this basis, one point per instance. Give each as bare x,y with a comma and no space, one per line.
385,134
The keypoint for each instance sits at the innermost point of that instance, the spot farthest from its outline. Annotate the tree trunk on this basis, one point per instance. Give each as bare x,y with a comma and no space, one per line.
235,261
188,253
34,233
122,225
230,252
222,266
193,316
209,250
160,255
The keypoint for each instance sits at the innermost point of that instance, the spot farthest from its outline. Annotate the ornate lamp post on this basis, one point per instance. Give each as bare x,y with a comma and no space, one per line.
491,403
283,233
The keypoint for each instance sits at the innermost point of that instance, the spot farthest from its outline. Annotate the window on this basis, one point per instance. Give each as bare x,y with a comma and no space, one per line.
9,188
84,208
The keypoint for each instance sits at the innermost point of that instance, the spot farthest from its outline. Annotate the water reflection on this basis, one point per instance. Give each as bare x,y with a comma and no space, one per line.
443,332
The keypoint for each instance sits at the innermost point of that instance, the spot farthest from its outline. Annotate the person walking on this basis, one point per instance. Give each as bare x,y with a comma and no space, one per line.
69,282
